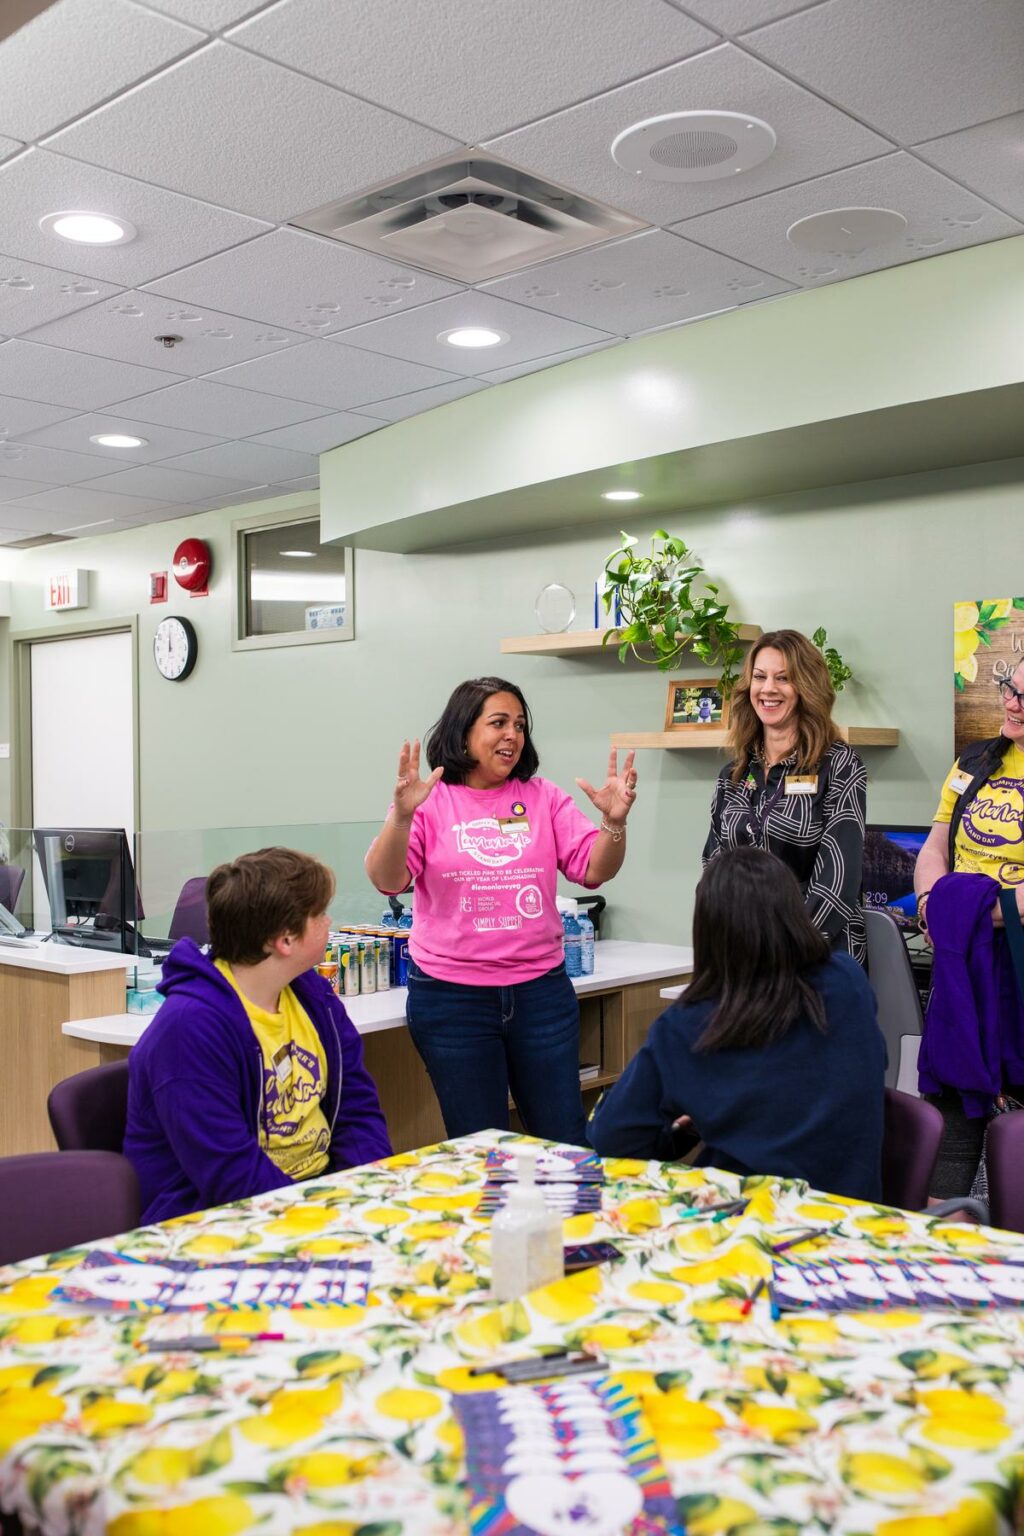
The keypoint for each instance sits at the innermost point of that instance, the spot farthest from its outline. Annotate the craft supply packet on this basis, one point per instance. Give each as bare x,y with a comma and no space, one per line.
587,1255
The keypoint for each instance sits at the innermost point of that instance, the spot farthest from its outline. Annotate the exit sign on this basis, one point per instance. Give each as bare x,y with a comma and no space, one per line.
66,589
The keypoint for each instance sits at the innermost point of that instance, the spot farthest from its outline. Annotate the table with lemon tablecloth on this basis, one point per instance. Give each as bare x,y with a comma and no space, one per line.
900,1423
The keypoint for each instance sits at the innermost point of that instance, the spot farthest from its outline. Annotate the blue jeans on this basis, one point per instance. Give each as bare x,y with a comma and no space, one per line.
477,1043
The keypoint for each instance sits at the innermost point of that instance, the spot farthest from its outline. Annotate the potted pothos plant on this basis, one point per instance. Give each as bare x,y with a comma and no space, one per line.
667,606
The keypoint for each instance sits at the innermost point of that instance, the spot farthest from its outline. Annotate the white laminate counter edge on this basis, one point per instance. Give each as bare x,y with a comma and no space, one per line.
617,963
65,960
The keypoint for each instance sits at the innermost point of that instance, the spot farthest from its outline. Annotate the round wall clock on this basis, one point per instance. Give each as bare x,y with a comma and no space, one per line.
175,649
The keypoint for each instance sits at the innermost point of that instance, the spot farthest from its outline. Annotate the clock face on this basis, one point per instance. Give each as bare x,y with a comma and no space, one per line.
175,649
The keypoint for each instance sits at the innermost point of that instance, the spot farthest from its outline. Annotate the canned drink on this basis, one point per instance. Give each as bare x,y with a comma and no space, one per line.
328,969
382,951
348,963
367,967
402,958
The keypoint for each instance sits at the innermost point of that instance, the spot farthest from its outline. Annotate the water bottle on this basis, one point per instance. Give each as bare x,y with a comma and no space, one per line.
586,928
573,950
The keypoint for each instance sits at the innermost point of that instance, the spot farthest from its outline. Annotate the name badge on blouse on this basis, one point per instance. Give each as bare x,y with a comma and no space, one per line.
514,823
801,783
959,782
283,1065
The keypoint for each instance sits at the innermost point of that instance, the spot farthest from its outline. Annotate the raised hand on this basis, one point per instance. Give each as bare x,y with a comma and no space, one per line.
410,789
615,797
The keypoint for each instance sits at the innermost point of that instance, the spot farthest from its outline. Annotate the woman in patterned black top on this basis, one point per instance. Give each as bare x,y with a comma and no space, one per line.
793,786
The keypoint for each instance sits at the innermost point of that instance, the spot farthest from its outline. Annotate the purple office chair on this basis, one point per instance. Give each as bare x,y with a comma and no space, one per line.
189,920
12,878
910,1147
1004,1161
89,1112
55,1200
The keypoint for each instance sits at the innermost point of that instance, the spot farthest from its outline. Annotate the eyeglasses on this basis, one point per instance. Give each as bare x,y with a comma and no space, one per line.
1007,692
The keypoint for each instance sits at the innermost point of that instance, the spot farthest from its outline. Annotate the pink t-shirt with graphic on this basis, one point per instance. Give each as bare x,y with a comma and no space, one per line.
485,863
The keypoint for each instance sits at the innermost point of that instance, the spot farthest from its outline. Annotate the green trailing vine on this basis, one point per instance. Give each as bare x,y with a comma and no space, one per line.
668,606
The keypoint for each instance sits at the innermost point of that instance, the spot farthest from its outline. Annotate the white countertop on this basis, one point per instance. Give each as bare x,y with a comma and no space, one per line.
617,963
64,959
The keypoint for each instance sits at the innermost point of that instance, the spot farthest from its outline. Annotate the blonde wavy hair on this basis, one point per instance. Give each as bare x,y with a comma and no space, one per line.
806,670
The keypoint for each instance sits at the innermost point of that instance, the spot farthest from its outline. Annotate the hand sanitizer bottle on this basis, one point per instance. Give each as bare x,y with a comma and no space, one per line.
526,1237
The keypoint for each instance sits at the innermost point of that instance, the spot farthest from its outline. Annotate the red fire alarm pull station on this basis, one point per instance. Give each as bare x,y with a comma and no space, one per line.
158,586
192,566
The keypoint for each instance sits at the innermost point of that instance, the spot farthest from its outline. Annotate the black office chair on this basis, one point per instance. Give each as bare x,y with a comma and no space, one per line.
55,1200
890,974
89,1112
12,877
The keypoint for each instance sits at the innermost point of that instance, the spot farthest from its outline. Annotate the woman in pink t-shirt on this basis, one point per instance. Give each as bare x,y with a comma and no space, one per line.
490,1007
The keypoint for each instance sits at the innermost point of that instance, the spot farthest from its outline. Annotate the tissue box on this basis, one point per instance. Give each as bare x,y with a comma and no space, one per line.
144,999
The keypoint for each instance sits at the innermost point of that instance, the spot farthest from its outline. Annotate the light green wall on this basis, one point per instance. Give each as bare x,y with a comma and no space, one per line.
308,734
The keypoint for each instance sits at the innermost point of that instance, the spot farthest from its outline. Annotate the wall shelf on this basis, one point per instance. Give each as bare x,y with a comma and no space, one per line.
577,642
697,738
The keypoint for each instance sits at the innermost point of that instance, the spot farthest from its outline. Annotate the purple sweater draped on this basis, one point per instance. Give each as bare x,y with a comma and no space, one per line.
973,1037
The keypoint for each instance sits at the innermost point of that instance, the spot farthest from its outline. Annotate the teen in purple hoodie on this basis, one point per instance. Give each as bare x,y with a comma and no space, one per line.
251,1076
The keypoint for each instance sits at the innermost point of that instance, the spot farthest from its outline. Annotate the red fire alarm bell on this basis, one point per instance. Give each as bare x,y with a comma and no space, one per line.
192,566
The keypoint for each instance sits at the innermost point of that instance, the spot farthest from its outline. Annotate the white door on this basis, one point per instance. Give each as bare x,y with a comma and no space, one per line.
83,735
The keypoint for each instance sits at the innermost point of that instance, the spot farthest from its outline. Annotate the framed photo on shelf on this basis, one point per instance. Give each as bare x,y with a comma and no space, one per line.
693,704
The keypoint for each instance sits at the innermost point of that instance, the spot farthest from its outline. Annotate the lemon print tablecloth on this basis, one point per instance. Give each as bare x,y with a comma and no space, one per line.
899,1423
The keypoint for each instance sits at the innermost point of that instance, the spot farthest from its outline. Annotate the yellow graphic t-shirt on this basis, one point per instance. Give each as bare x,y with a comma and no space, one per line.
990,837
293,1131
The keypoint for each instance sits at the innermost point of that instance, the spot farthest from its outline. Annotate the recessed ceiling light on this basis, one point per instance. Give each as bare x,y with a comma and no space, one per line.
473,336
621,495
118,440
298,554
88,228
846,231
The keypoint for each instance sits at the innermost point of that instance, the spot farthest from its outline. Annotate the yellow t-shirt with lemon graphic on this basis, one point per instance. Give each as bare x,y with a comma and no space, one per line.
990,837
293,1130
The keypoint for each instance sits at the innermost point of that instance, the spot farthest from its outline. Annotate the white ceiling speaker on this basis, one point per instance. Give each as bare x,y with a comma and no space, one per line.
846,231
693,146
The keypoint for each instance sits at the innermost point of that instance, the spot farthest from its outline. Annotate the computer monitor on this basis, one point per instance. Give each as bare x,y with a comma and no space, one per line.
90,885
890,853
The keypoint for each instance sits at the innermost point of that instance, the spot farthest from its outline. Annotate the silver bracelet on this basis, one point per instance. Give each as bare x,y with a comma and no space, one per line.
615,833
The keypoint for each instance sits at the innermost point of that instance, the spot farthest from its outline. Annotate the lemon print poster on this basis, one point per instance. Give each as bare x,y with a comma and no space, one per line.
988,645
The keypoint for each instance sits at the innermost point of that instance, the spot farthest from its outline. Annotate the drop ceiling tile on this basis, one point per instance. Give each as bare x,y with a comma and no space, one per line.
85,52
77,432
251,462
538,364
126,327
9,147
305,483
198,404
444,66
574,147
54,466
734,17
989,159
651,280
327,373
322,434
31,295
172,230
940,217
17,490
78,502
56,377
211,15
422,400
15,535
163,484
914,70
413,335
18,417
302,282
284,144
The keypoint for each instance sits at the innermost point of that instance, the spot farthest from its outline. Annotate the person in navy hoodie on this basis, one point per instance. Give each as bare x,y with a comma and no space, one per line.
773,1054
251,1077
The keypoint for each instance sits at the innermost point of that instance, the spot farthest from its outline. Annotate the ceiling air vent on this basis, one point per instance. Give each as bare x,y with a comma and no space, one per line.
469,217
37,540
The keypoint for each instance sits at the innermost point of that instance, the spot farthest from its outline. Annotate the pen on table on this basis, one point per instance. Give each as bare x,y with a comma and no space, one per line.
736,1209
806,1236
748,1305
498,1366
727,1206
207,1344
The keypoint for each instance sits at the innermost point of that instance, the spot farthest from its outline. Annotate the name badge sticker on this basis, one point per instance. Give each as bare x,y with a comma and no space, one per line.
517,821
283,1065
801,783
959,782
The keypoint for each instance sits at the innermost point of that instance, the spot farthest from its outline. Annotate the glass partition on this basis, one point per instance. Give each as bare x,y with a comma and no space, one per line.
91,887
